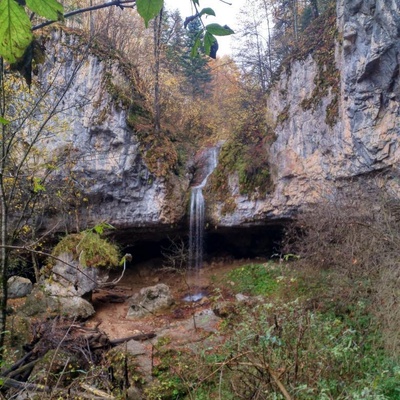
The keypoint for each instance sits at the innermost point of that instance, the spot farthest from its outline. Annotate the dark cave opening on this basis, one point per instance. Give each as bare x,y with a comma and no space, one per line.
248,242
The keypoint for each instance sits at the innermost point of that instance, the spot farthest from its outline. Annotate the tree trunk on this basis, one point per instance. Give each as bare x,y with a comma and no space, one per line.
3,221
157,51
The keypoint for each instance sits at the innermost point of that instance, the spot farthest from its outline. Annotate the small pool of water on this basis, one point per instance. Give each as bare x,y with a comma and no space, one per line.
195,297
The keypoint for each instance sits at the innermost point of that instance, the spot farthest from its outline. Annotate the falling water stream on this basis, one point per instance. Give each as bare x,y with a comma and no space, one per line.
197,218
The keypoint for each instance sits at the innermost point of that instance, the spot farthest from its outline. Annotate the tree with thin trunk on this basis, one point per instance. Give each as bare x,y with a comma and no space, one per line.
30,117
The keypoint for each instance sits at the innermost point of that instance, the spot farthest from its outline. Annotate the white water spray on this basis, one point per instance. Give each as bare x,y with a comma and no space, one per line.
197,215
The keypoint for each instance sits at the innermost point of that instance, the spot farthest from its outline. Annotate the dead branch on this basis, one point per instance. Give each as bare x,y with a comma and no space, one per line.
139,337
12,383
97,392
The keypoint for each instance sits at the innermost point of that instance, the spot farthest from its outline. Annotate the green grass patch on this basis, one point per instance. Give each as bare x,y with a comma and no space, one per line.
254,279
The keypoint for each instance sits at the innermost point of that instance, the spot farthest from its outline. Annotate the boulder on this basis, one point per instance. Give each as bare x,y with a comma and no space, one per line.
76,279
149,300
53,303
18,287
66,291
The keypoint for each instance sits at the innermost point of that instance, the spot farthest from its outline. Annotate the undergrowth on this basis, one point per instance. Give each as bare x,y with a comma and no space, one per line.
289,339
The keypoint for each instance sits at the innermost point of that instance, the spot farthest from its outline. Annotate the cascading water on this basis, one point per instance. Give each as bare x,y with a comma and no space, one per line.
197,218
196,232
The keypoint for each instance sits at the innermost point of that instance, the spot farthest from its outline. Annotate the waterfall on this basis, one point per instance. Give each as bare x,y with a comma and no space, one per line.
197,214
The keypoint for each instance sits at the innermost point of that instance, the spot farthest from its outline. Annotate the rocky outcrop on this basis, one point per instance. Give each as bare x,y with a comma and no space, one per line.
351,132
97,146
67,291
324,138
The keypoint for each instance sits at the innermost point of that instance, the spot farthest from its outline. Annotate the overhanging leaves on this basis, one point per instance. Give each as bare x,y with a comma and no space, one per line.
50,9
208,42
149,9
196,45
15,30
207,11
218,30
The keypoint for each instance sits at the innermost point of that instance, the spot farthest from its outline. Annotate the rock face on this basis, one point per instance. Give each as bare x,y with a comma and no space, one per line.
97,147
313,155
350,132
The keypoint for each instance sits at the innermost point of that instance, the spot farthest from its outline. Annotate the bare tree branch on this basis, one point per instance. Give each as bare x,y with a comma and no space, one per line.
119,3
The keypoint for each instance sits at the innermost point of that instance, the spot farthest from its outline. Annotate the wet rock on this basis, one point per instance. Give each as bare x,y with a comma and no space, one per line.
149,300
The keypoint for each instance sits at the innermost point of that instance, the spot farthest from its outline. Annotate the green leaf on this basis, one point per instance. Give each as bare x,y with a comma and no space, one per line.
15,30
101,227
3,121
208,41
218,30
149,9
37,185
208,11
50,9
196,45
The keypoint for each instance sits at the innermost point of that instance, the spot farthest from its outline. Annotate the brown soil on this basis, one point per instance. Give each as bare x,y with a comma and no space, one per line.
111,305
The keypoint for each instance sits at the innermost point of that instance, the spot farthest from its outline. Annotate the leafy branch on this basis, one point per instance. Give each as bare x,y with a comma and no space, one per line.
16,26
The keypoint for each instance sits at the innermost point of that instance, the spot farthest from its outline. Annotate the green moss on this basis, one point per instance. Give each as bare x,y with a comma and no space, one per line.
245,154
254,279
89,249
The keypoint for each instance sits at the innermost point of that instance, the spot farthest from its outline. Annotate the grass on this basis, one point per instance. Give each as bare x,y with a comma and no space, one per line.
254,279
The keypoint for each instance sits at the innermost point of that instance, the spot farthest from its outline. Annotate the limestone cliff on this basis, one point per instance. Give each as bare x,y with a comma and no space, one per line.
97,143
336,118
327,138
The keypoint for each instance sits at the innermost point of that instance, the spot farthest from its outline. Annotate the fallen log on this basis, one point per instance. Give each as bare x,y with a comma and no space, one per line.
14,384
97,392
139,337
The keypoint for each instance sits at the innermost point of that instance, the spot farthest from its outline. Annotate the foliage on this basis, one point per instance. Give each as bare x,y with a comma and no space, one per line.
356,235
246,154
15,31
195,69
319,40
159,152
284,347
16,25
166,385
89,249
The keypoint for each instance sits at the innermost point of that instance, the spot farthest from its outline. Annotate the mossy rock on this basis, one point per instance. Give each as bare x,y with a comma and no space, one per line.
89,249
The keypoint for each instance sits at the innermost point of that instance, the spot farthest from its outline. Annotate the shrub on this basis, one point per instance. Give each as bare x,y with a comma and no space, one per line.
356,236
278,351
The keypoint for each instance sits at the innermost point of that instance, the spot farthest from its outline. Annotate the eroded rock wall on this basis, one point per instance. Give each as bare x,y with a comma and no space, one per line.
95,145
313,155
